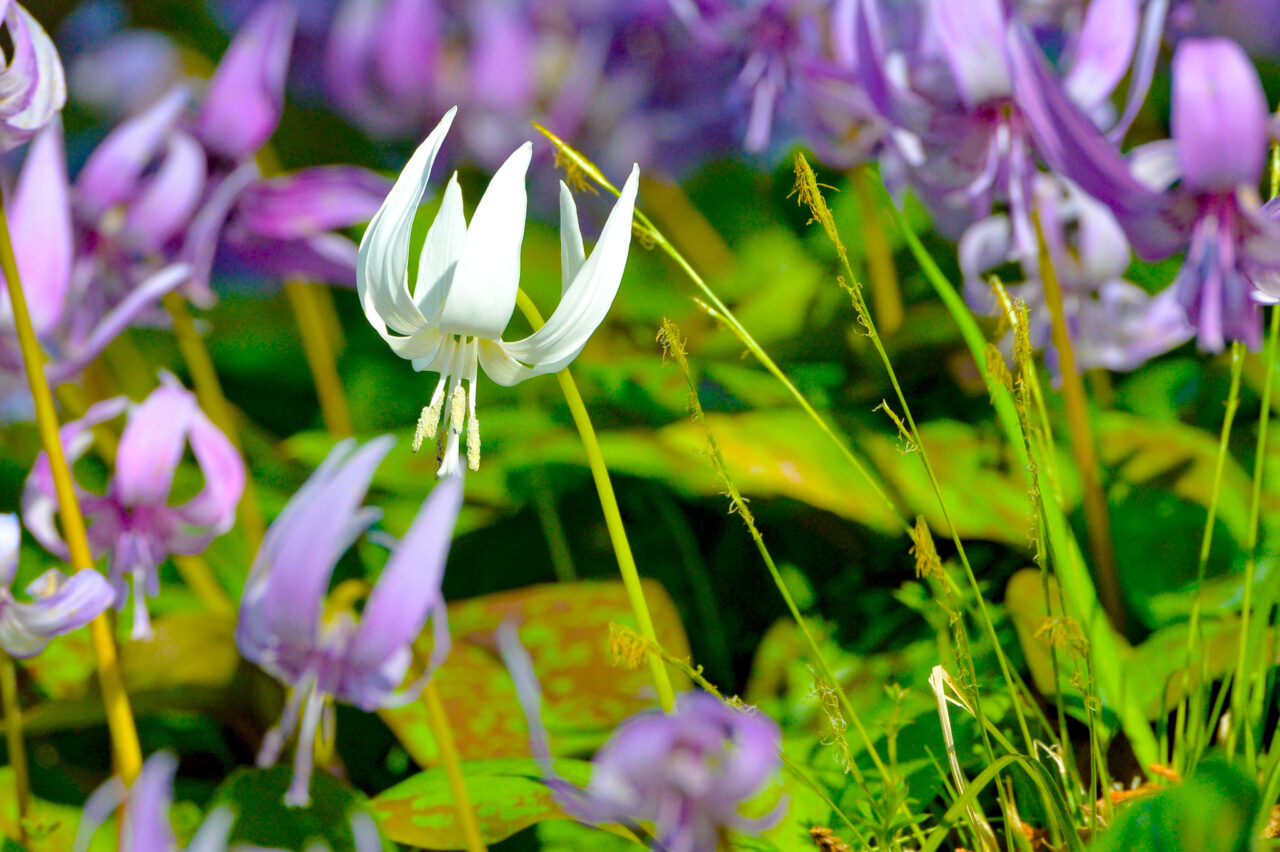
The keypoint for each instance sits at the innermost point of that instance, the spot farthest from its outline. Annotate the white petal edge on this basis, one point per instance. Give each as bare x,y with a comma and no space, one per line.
440,252
572,253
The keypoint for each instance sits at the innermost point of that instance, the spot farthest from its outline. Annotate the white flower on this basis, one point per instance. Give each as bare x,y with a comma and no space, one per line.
453,316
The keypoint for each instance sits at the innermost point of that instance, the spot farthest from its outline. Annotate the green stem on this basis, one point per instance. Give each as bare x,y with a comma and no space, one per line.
544,506
886,294
120,724
438,721
322,358
14,741
612,515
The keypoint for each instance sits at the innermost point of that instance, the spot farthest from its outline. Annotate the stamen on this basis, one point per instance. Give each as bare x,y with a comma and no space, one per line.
429,421
473,443
457,415
473,423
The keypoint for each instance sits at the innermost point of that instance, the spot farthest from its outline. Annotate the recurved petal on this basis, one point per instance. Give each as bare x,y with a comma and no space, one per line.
146,813
588,299
33,86
572,252
10,539
214,507
170,197
152,444
382,265
110,176
311,201
409,587
1218,114
440,252
1103,50
246,94
41,222
970,35
483,293
62,604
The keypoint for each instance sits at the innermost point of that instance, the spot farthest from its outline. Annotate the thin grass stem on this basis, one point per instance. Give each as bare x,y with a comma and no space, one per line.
322,359
612,514
442,733
123,731
14,741
886,295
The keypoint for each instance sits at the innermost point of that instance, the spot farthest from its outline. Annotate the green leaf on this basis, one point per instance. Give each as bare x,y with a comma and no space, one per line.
1212,811
263,819
50,827
507,795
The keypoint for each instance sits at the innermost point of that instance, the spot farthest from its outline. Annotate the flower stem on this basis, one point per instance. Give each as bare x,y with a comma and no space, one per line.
14,741
886,295
612,515
1082,444
438,720
317,343
209,392
124,734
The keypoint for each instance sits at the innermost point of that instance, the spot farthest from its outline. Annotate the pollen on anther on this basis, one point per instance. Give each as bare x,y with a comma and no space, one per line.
473,443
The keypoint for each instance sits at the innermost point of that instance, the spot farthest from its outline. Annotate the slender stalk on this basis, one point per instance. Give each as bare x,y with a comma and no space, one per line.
209,391
886,295
438,721
124,734
544,506
1238,711
1082,444
14,741
612,515
575,162
321,357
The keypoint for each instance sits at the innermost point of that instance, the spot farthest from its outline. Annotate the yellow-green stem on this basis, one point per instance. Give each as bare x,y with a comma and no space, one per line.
886,296
124,734
1097,520
612,515
321,357
214,402
13,740
438,721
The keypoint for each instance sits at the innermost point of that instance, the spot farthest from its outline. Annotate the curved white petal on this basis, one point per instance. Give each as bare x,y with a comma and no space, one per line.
483,293
501,367
587,299
10,537
382,264
572,254
440,252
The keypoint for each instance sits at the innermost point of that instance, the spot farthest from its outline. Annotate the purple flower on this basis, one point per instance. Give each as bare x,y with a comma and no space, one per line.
74,315
322,652
60,604
1220,128
32,84
687,772
144,826
133,520
242,105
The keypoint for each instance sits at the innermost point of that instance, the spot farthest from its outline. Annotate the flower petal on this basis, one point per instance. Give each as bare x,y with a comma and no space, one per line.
970,35
41,222
440,252
311,201
588,299
408,589
10,539
382,267
1218,114
483,294
1103,51
146,814
214,508
110,176
152,444
33,85
62,604
572,253
168,200
246,93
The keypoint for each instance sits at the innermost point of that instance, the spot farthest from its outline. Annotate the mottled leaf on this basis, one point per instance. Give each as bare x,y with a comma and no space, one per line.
263,819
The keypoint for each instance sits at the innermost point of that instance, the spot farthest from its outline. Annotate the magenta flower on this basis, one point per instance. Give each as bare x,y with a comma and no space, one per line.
144,826
1195,192
687,772
59,603
32,84
323,653
133,521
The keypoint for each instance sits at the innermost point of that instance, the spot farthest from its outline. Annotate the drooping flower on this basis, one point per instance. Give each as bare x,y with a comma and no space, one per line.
133,520
687,772
33,85
450,320
144,825
322,652
1196,191
73,314
59,603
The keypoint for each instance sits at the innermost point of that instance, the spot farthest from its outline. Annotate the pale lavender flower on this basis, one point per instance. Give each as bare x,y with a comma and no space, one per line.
59,605
133,521
32,83
1113,324
144,825
74,316
1196,191
323,654
687,772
